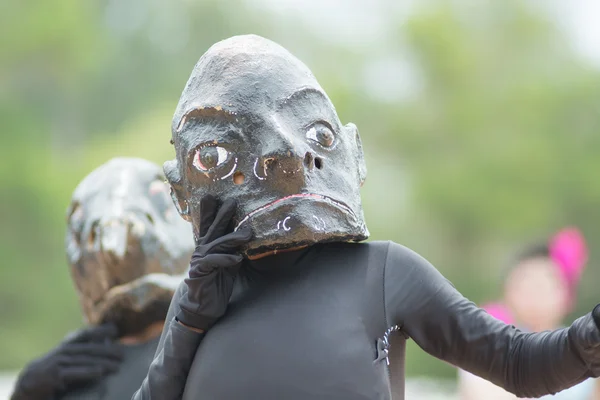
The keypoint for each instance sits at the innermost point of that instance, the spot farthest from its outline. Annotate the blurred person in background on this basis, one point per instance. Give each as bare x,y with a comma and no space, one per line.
540,290
128,248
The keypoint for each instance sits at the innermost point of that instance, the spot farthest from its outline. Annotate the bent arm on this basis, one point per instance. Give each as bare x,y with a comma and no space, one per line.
450,327
173,359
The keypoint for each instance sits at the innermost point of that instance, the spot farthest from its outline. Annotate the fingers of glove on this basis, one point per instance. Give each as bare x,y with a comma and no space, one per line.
221,222
230,243
208,210
94,334
212,263
110,351
82,373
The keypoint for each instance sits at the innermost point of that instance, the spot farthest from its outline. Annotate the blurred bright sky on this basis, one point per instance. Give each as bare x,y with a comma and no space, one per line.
366,27
362,23
580,17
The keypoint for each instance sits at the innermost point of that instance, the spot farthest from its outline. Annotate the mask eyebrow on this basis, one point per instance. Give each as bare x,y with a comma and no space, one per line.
307,91
216,112
310,104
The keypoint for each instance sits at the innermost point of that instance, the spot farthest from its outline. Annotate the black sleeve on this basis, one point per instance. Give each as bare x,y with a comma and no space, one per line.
171,314
174,356
448,326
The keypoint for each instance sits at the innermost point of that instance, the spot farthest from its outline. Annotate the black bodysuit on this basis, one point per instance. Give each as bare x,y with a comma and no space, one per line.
309,325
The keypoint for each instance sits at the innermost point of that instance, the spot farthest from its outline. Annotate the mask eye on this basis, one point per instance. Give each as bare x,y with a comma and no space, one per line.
321,134
209,157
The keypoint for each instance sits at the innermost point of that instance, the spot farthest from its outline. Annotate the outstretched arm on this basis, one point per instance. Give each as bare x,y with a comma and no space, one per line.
450,327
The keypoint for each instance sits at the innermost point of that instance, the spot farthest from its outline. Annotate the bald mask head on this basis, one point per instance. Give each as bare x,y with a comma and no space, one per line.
253,124
127,247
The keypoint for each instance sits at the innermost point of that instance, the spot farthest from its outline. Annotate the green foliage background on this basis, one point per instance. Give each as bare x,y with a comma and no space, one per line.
496,143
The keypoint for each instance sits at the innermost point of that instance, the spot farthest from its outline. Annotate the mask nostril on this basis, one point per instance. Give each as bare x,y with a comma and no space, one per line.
308,160
318,162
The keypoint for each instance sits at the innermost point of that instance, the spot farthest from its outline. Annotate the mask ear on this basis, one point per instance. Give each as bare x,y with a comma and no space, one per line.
362,166
178,193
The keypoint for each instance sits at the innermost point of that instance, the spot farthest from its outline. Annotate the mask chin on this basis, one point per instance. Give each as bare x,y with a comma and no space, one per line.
302,220
130,322
138,303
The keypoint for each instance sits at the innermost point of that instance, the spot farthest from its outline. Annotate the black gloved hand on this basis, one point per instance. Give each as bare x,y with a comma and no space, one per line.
214,266
82,358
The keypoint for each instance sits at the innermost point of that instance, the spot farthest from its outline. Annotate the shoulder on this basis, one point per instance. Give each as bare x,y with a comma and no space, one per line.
413,287
369,252
386,252
392,257
356,246
406,265
401,257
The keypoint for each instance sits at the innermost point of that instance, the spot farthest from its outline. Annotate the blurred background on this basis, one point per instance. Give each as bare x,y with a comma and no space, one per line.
480,122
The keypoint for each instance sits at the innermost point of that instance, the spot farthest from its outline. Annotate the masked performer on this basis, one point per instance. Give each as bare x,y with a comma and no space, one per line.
128,249
281,301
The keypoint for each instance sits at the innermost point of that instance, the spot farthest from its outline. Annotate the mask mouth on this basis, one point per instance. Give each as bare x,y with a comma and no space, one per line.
138,293
124,264
317,197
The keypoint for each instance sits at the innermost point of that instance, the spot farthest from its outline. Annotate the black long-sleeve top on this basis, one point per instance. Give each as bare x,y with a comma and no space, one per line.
310,324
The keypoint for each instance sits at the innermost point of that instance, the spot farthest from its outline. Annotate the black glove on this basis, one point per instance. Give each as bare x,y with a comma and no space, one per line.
214,266
82,358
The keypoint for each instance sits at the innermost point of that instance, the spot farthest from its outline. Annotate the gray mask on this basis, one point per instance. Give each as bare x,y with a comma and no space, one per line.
254,125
